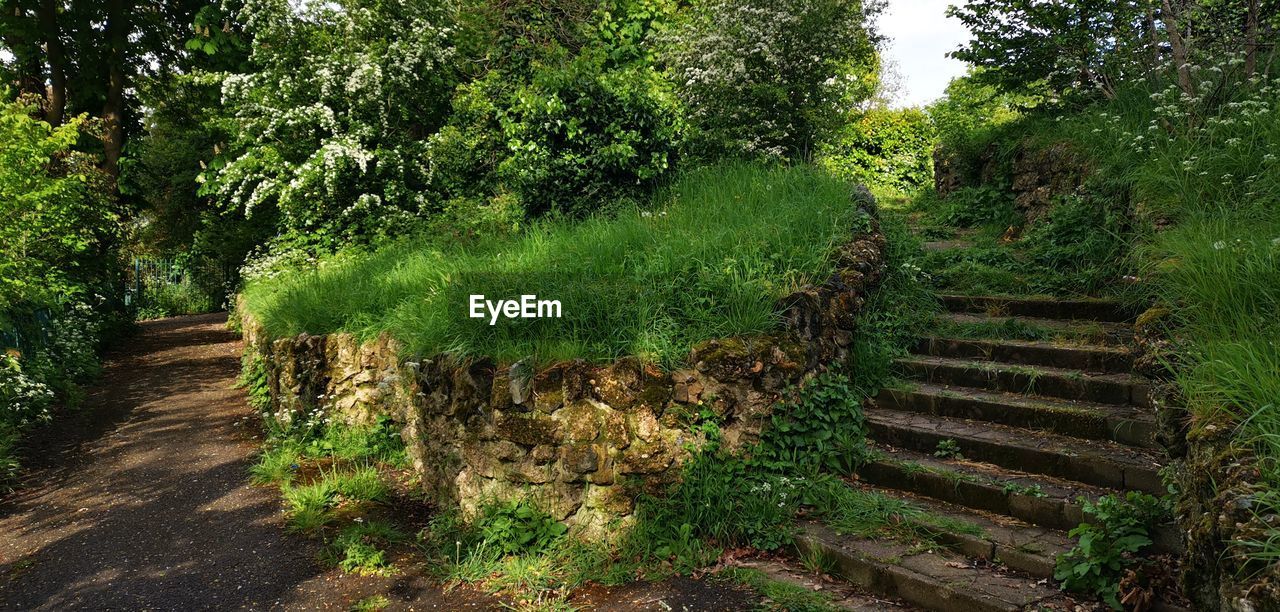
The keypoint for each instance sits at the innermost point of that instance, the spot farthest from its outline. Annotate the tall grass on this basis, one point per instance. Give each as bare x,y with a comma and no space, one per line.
708,258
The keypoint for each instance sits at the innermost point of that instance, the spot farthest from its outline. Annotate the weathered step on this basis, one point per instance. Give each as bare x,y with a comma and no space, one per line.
1038,380
1041,308
1033,498
1104,464
946,245
1029,328
1106,359
933,579
1097,421
1018,545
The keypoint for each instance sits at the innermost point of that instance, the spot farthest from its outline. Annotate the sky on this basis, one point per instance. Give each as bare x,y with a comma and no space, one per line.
920,35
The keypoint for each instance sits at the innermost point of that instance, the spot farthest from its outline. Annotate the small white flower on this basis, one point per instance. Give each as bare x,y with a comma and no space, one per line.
1219,245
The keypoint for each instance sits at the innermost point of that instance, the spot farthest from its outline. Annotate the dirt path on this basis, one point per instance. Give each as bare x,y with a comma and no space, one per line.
140,501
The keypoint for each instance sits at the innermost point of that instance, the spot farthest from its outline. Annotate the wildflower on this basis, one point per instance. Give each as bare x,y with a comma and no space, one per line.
1219,245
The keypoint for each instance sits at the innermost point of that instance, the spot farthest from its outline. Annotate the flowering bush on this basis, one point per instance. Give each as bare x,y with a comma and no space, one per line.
329,124
772,77
24,400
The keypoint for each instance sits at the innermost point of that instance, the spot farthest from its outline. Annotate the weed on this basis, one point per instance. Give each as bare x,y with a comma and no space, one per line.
1117,529
518,528
948,449
372,603
1015,488
360,548
779,595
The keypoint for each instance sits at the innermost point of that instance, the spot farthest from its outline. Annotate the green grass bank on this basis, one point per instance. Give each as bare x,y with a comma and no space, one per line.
708,257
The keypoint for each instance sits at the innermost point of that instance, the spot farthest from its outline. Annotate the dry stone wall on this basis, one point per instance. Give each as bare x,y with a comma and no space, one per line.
579,439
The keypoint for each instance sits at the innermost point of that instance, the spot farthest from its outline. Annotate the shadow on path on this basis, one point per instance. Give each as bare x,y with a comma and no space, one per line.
140,499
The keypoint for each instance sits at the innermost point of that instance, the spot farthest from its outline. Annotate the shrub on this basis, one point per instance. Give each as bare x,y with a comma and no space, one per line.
329,126
771,78
884,148
576,136
1117,529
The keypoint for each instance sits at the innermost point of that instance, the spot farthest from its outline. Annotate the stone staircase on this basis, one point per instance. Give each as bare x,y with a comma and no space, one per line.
1005,435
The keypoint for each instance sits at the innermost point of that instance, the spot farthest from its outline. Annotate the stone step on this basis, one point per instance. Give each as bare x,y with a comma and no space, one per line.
1059,330
1041,308
1096,421
932,578
1094,462
1033,498
1036,380
1031,549
1102,359
946,245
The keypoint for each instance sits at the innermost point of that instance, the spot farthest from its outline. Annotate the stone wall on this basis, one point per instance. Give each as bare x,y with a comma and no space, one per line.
577,438
1034,174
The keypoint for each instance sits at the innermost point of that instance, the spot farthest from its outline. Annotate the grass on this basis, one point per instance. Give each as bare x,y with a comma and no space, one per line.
869,514
708,258
778,595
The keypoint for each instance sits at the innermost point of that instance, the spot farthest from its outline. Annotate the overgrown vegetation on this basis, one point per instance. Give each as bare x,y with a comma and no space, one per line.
707,259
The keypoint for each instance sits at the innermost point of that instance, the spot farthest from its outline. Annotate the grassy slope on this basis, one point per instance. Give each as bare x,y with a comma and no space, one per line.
708,260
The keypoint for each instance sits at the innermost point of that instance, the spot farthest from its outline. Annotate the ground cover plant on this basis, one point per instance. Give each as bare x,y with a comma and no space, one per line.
707,259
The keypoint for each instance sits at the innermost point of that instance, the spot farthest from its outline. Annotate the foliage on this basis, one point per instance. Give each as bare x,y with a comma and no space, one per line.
707,259
986,205
884,148
57,216
821,427
361,548
1117,529
1080,47
771,78
518,527
577,135
782,595
327,125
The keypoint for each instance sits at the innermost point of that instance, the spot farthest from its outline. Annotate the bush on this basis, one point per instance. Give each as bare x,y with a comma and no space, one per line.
577,135
771,78
329,125
884,148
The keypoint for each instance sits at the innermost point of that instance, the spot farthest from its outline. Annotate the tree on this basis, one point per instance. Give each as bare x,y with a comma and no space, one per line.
1077,47
328,123
770,77
87,57
57,221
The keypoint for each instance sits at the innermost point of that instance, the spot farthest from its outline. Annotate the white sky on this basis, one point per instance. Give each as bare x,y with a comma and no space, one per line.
920,35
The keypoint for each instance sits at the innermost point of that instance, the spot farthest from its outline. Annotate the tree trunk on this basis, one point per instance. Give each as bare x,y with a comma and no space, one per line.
1178,45
1251,39
1153,36
56,58
28,69
116,35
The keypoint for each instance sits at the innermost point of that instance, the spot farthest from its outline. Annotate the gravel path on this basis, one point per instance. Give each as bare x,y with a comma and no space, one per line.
140,501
